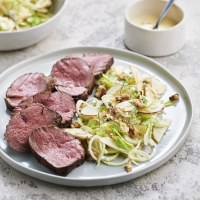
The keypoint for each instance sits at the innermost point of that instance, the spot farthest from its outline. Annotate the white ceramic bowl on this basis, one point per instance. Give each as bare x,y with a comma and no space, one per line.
154,42
23,38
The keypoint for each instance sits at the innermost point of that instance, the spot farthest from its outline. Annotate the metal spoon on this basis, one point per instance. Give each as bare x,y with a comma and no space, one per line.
164,12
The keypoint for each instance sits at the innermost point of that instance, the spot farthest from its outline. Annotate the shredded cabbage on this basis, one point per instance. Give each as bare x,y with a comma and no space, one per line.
125,125
23,14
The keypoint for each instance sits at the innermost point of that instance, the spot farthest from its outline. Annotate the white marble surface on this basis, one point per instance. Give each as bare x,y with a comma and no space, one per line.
100,23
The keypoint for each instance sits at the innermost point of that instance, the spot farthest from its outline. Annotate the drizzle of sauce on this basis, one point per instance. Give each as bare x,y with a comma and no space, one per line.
149,21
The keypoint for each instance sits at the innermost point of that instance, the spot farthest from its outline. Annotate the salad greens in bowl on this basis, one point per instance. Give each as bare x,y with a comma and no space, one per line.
26,22
19,15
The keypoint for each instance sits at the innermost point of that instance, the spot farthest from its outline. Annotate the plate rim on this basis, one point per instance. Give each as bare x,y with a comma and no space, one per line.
110,178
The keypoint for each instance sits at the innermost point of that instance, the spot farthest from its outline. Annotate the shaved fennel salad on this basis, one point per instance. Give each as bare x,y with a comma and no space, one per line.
23,14
122,123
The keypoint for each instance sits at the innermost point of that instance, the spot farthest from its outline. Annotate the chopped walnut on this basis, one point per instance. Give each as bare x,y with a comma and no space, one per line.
128,167
138,103
125,97
108,117
147,80
111,135
104,113
75,125
174,97
118,98
121,76
116,112
132,131
101,90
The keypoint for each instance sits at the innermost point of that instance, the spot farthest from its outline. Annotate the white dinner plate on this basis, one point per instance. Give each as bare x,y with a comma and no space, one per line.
89,174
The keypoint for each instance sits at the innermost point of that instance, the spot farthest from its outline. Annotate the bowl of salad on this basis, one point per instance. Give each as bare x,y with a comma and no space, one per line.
26,22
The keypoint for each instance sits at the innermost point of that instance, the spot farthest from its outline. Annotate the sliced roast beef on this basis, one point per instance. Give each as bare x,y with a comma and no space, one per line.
57,150
22,124
77,93
73,76
59,102
98,62
25,86
12,102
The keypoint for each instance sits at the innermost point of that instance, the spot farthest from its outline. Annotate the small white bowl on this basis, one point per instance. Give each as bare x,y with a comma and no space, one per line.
158,42
14,40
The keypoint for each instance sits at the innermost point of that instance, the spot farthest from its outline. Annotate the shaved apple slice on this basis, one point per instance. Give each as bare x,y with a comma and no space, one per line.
78,133
150,93
154,108
126,106
107,100
89,111
114,90
109,142
158,86
158,132
136,74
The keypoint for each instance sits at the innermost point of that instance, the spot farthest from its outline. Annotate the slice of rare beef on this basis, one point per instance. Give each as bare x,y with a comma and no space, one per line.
25,86
98,62
22,124
57,150
59,102
73,76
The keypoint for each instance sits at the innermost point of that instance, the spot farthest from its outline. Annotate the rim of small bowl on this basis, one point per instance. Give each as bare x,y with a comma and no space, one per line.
155,30
40,25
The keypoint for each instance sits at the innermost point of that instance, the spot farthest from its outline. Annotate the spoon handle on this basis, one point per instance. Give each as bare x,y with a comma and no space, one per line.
164,12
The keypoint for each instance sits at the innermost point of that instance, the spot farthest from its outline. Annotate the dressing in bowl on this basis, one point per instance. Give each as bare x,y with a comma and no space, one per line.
141,17
149,21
